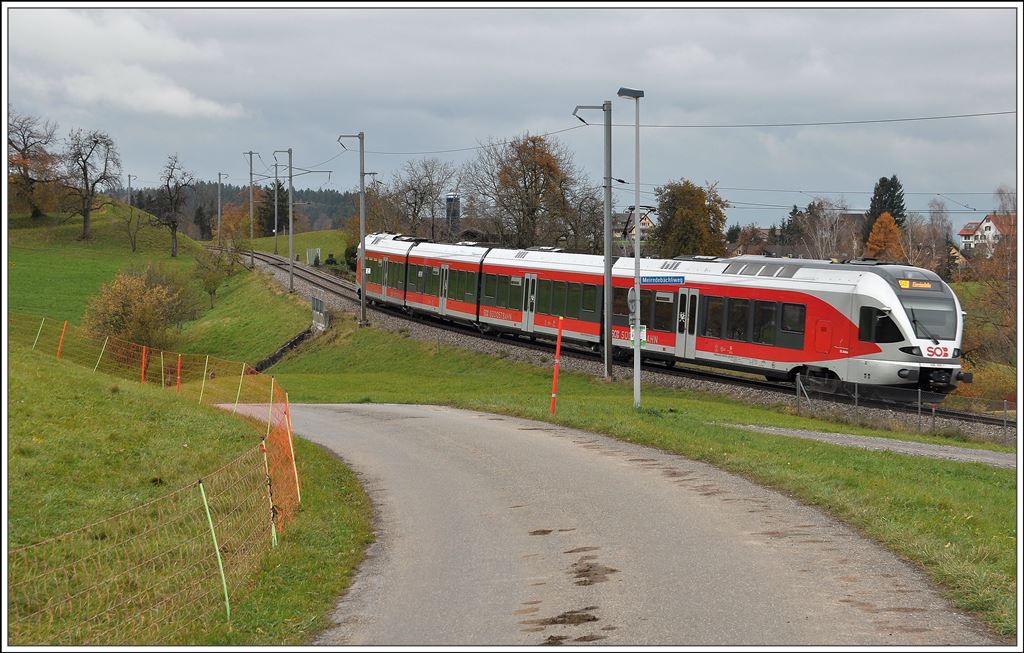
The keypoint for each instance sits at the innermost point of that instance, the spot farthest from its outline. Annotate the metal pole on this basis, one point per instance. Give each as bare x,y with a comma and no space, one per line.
291,213
636,264
275,208
362,229
919,409
252,254
220,239
606,106
131,209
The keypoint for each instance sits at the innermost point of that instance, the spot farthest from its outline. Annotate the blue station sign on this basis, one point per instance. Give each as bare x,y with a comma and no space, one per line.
662,281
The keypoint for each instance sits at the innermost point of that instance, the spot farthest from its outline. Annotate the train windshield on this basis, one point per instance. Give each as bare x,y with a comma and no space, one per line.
931,318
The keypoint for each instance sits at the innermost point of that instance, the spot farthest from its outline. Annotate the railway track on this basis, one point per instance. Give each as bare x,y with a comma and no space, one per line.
347,289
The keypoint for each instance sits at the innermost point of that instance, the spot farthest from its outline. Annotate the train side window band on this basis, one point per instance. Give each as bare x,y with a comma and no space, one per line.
544,296
691,321
620,301
739,319
793,317
589,298
573,299
664,314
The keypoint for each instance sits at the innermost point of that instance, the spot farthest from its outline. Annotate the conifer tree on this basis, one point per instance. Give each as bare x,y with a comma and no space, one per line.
884,241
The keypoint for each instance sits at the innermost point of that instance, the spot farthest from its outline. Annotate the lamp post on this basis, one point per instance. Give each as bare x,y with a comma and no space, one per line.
362,221
606,107
636,94
220,175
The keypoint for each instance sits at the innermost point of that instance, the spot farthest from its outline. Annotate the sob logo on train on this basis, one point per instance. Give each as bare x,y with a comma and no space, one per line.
937,352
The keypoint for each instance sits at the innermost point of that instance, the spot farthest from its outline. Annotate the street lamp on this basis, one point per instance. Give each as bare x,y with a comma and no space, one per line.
606,107
635,95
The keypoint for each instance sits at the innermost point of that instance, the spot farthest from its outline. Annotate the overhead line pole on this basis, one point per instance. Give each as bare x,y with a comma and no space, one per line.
252,254
291,212
606,107
362,222
220,238
275,207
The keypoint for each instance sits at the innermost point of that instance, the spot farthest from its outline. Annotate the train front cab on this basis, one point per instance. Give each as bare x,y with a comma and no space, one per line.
916,322
385,267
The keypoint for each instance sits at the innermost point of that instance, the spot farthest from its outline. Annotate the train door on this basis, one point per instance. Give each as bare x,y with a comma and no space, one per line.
442,300
823,337
529,301
686,328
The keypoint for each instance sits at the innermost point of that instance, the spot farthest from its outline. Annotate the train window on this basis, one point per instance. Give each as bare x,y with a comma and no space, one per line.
793,317
589,298
433,281
454,284
573,298
646,299
471,287
558,298
764,322
664,314
515,294
691,319
734,268
714,317
738,323
788,271
620,301
769,270
490,286
877,326
753,269
502,296
544,296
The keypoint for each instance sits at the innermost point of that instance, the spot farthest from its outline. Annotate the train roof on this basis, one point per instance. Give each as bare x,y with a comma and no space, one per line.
547,259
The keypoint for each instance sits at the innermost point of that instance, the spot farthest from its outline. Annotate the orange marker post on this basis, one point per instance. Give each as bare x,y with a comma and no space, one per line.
177,384
558,354
61,344
144,351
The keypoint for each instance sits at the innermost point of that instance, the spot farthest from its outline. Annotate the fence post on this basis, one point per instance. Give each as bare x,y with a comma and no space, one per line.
797,394
216,547
270,496
145,350
239,393
919,409
102,349
270,413
558,352
177,385
1005,416
856,394
163,370
288,423
933,418
61,344
38,332
203,388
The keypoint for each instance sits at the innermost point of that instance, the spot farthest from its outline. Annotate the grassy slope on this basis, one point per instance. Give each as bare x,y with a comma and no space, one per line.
95,446
84,446
53,273
957,520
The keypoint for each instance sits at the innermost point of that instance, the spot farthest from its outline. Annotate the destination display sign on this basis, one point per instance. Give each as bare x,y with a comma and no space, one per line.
916,284
662,281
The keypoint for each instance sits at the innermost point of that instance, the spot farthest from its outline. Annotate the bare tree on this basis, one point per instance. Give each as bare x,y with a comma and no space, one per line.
583,223
29,158
527,181
824,229
91,165
169,205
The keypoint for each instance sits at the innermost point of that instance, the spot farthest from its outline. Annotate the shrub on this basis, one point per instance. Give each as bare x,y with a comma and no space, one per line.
126,308
351,257
330,260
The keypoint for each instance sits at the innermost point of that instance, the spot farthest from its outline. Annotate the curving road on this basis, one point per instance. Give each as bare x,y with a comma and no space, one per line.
495,530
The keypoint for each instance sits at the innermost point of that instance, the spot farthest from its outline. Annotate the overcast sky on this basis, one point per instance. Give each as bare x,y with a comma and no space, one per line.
209,84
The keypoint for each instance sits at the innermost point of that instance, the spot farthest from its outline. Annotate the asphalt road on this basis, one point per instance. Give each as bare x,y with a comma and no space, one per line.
495,530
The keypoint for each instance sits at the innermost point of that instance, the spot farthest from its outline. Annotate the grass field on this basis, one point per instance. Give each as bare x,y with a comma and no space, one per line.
956,520
330,241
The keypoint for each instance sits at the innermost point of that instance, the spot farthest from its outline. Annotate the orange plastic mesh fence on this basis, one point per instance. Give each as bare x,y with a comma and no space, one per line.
150,575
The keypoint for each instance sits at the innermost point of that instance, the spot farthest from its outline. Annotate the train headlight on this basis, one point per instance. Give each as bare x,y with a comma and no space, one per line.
913,351
956,353
910,375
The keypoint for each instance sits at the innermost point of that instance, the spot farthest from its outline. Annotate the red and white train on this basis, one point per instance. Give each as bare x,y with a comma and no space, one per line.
860,321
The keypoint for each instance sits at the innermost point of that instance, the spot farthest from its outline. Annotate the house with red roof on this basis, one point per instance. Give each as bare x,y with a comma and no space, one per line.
988,232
